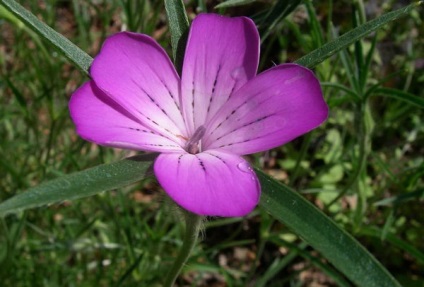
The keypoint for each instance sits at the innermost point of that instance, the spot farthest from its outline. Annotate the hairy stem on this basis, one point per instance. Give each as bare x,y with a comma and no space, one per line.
193,224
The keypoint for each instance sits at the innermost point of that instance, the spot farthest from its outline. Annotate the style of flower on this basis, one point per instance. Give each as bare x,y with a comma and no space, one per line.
202,122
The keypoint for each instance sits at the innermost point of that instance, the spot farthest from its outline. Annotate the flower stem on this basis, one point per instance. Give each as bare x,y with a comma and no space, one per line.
193,223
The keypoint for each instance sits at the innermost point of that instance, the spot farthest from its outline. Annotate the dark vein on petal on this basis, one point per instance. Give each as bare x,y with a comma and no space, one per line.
243,141
141,130
158,105
147,144
217,157
228,117
151,132
179,163
213,88
162,145
150,98
232,91
244,126
192,103
172,96
159,126
235,110
201,163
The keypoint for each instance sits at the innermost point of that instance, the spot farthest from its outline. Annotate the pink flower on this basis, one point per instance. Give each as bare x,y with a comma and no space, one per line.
201,123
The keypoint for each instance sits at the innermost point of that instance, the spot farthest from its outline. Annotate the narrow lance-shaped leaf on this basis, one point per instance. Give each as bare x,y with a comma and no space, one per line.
233,3
178,27
317,56
277,13
323,234
400,95
80,184
81,59
395,241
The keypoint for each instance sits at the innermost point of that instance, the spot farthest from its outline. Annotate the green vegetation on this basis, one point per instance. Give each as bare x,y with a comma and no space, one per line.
364,168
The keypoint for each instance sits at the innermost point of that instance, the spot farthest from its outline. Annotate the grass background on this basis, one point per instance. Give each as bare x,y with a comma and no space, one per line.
364,167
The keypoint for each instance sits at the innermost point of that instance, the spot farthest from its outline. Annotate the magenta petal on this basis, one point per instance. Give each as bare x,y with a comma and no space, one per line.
211,183
100,120
134,71
221,55
272,109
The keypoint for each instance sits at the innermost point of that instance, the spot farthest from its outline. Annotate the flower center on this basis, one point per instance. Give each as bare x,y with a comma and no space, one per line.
193,145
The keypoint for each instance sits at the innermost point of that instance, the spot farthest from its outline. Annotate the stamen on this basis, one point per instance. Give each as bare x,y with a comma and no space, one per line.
192,145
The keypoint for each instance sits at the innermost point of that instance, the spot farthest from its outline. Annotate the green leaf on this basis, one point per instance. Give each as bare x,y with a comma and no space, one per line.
179,27
279,264
80,184
401,198
276,14
233,3
323,234
342,250
400,95
317,56
81,59
394,240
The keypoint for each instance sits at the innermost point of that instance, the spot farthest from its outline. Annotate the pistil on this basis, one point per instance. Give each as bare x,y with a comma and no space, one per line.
193,143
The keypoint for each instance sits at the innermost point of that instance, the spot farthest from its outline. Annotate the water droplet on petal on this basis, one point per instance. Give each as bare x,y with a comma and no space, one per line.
245,167
237,73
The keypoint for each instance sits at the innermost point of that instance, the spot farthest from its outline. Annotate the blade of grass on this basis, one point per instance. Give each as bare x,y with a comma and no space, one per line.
400,95
233,3
358,19
401,198
276,14
127,273
316,261
178,26
279,264
323,234
367,62
348,66
317,56
316,31
81,59
393,239
80,184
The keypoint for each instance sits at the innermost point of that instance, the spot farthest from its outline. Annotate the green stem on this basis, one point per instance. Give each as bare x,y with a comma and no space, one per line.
193,224
303,149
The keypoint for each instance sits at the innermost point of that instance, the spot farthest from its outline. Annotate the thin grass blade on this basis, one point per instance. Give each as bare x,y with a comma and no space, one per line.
80,58
401,96
394,240
279,11
323,234
317,56
233,3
